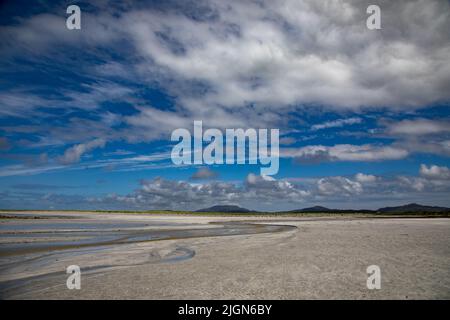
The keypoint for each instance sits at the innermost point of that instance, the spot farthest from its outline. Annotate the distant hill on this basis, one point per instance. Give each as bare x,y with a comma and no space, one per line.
408,208
413,207
313,209
320,209
225,208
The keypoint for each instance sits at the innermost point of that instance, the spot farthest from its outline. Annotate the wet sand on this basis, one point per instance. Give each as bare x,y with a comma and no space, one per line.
197,257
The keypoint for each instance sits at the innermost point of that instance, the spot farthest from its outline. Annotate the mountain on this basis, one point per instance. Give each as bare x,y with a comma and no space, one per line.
313,209
413,207
225,208
320,209
408,208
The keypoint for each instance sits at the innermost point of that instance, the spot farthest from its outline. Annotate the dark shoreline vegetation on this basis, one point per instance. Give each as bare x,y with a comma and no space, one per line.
409,210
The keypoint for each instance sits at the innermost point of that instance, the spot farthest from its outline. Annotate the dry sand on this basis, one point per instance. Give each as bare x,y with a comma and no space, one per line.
320,259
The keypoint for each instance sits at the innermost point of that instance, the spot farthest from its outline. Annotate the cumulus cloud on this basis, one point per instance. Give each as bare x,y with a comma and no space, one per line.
236,64
243,64
259,192
365,178
265,189
411,183
434,172
344,152
420,135
301,52
161,193
431,178
339,186
214,57
74,153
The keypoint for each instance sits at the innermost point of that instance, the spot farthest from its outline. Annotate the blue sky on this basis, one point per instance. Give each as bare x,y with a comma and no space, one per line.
86,115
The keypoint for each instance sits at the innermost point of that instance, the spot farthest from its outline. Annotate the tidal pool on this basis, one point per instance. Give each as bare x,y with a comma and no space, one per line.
23,236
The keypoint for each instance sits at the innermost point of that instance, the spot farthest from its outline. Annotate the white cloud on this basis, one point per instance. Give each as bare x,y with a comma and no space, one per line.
287,140
262,193
420,135
418,127
336,123
243,63
434,179
365,178
338,186
344,152
412,183
265,189
218,58
161,193
434,172
73,154
301,52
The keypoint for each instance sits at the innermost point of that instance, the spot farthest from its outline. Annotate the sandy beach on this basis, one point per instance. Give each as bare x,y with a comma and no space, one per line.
124,256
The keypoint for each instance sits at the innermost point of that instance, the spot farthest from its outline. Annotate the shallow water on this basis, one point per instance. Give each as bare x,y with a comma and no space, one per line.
21,236
31,247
